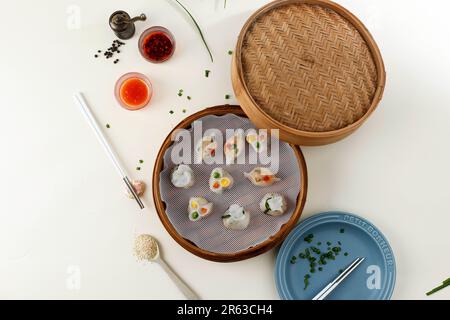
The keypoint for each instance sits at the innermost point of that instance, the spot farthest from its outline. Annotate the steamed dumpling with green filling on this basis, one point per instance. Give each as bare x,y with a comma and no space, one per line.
199,208
273,204
206,148
259,142
236,218
234,146
182,176
220,180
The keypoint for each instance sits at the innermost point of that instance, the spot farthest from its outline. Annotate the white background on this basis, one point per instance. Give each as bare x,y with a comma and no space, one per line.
62,206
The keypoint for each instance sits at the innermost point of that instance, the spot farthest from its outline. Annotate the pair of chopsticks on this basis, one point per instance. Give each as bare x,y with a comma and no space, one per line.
86,111
333,284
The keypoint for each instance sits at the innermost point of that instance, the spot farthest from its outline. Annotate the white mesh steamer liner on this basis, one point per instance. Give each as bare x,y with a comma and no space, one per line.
209,233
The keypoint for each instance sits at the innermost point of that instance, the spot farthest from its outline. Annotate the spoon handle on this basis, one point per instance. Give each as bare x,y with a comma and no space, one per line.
188,293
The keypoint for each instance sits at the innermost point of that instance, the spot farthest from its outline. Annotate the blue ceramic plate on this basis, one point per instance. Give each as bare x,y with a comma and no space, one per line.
374,279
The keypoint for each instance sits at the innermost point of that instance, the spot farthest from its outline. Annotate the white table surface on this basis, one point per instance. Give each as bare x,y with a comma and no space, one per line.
63,214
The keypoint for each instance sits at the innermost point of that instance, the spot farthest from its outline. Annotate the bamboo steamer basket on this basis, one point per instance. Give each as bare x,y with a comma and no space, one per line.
308,68
254,251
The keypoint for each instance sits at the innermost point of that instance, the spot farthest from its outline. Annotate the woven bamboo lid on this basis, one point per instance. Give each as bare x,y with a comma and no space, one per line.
309,68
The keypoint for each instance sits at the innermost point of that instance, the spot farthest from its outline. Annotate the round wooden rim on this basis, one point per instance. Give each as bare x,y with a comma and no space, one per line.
191,247
272,123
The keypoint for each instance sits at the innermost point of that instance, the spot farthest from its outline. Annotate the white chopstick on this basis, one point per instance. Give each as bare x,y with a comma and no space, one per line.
86,111
333,284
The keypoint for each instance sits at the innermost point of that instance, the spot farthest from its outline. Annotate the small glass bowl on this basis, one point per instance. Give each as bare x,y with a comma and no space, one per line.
122,80
149,31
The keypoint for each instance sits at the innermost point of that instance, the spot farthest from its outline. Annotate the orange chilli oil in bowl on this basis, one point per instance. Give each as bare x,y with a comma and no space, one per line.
133,91
157,44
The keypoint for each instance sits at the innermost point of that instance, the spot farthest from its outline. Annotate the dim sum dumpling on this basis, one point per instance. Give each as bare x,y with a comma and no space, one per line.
206,148
234,146
220,180
273,204
259,142
199,208
182,176
261,177
236,218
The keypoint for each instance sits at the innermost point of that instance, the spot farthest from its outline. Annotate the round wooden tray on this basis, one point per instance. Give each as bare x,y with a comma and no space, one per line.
308,68
191,247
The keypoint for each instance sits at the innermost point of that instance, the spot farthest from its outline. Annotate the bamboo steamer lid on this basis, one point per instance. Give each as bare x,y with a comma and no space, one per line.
308,68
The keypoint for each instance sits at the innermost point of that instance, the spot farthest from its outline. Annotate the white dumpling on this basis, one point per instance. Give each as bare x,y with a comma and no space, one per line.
273,204
182,176
234,146
259,142
236,218
220,180
206,148
199,208
261,177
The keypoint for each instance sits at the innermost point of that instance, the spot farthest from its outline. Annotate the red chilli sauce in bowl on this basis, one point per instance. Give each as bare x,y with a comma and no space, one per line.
133,91
157,44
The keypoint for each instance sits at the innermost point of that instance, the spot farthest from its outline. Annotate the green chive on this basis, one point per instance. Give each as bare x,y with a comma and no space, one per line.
108,126
346,254
138,168
342,230
141,161
171,112
320,268
189,98
207,72
444,284
267,206
227,96
184,110
198,29
230,52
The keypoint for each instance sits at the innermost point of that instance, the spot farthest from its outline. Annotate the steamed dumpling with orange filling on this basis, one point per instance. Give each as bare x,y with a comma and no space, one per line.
220,180
258,141
261,177
234,146
206,148
199,208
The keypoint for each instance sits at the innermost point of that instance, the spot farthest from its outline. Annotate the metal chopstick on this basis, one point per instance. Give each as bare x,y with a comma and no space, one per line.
333,284
86,111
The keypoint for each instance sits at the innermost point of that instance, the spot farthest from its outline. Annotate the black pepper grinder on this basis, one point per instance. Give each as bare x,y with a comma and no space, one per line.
123,25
